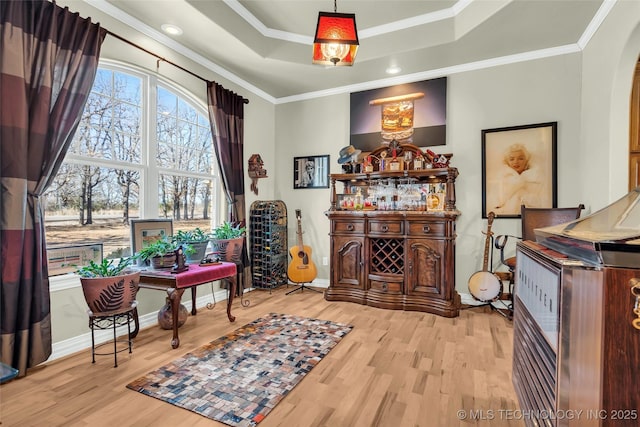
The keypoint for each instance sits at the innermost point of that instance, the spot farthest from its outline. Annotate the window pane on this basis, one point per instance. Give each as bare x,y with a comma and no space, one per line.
112,119
185,198
90,204
184,136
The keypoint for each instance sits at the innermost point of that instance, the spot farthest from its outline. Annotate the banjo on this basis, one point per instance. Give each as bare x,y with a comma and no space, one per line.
484,285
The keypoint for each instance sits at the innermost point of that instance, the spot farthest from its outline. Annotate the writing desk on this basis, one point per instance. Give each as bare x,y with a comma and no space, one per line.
176,283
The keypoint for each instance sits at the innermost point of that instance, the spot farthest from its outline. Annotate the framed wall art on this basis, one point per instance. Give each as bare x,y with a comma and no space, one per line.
67,259
519,168
414,113
311,172
146,231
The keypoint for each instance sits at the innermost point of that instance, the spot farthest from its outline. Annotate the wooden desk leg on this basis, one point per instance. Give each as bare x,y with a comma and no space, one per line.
232,292
175,295
193,300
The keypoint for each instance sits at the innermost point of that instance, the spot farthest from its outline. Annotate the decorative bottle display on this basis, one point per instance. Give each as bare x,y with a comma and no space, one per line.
394,163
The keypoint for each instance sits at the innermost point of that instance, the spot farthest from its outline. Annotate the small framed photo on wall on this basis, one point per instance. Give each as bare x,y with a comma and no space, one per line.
311,172
519,168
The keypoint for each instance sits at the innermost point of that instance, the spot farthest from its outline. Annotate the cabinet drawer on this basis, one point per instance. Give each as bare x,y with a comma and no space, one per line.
426,228
386,285
386,227
349,226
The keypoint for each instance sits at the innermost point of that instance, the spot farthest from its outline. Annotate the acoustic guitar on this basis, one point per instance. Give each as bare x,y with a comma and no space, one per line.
301,268
484,285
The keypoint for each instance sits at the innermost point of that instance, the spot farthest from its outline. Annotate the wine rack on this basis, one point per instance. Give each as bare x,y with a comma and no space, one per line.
268,243
387,256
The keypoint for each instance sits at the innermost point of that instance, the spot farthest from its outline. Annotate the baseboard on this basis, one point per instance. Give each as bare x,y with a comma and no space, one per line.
83,342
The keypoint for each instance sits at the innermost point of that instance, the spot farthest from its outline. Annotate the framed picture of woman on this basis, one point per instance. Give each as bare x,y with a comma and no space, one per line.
311,172
519,168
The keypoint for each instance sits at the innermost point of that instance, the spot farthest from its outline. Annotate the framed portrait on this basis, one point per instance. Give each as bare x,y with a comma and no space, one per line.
519,168
147,231
311,172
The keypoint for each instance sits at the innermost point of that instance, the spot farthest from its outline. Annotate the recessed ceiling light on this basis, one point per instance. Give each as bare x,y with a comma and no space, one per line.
171,29
394,69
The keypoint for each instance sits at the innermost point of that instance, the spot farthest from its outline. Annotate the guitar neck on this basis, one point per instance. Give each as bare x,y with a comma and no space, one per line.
299,233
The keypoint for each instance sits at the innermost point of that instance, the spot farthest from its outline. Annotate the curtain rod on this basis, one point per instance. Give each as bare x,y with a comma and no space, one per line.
245,100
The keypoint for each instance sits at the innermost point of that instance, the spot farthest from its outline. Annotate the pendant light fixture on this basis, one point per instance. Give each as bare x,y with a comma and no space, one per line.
336,40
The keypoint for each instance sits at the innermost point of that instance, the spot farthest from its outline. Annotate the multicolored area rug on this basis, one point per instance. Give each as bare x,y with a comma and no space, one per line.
239,378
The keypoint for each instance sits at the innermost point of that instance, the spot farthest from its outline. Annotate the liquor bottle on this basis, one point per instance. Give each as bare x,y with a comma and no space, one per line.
433,201
394,163
368,166
358,200
417,162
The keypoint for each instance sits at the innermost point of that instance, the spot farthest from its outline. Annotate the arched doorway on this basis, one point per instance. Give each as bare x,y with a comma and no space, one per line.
634,131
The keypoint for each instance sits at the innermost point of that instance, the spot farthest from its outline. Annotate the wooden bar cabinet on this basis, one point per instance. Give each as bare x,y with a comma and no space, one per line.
393,239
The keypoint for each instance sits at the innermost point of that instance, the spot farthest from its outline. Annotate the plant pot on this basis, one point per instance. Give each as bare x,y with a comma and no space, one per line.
110,294
164,261
200,251
229,250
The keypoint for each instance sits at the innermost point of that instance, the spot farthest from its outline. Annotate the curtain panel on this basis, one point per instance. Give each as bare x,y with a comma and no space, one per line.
226,114
48,62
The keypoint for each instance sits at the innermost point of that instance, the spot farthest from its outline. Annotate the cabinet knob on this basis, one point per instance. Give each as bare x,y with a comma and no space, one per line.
384,228
426,229
385,286
350,227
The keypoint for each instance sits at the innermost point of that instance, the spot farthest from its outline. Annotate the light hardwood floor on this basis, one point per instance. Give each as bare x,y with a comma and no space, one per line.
394,369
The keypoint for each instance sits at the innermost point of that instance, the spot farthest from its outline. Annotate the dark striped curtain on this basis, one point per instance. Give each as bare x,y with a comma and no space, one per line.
226,114
48,61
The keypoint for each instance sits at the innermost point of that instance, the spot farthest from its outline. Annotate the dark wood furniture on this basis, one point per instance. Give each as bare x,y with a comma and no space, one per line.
401,259
575,349
175,285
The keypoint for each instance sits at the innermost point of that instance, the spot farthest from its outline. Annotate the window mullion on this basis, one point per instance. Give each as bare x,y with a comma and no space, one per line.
152,179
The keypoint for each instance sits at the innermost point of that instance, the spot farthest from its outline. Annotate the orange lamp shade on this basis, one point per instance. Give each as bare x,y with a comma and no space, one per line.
336,40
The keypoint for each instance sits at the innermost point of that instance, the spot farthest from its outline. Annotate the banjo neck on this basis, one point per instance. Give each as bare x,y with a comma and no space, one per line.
485,260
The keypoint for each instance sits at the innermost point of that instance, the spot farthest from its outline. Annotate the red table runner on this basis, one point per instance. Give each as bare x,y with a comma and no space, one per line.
197,274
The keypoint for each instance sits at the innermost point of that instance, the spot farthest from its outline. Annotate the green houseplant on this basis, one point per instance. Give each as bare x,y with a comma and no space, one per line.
109,286
110,290
227,240
195,242
161,253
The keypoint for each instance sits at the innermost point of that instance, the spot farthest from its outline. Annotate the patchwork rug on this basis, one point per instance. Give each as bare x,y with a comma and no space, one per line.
239,378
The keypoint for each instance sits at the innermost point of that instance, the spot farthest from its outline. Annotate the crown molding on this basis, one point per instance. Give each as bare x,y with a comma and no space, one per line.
137,25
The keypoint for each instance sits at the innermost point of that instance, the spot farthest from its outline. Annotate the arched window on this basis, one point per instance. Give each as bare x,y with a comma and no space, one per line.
143,149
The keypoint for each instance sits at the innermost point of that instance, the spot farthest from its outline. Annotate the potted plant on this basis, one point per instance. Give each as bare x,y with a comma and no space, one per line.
195,240
109,286
227,241
161,253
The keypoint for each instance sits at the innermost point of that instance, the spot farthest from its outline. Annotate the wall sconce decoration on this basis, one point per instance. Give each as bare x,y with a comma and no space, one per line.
336,41
256,171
